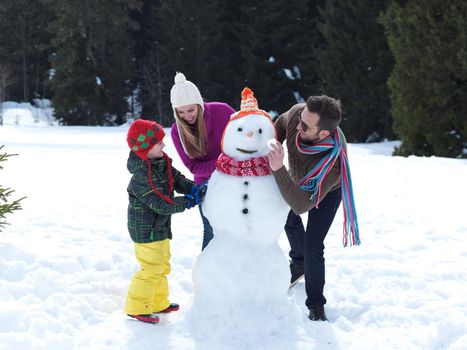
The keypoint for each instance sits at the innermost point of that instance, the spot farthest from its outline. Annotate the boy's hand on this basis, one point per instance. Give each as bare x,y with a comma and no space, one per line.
202,189
196,194
190,202
193,191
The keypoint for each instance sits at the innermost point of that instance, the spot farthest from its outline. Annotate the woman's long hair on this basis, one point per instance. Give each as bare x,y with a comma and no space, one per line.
193,137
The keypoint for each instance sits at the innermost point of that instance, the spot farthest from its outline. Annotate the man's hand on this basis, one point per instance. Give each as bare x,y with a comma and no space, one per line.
276,156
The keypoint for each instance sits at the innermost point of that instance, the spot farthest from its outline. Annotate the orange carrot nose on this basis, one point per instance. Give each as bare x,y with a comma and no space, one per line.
249,133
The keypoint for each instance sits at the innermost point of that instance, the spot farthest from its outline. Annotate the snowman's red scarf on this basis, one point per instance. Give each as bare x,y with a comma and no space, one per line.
258,166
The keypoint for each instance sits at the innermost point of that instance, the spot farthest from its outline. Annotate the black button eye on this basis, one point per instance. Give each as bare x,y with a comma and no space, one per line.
260,131
240,129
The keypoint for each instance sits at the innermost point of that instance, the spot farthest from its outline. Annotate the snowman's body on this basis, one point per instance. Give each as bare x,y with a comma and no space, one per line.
244,253
246,208
243,268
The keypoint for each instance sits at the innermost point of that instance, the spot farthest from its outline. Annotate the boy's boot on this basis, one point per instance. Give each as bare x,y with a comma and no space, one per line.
148,318
170,308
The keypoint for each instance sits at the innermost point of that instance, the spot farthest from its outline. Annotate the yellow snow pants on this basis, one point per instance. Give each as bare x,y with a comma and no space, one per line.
149,289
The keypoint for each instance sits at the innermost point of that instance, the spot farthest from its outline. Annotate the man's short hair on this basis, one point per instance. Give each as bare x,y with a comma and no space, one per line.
328,109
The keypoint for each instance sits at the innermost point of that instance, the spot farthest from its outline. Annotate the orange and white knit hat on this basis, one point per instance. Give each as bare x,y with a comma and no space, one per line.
249,105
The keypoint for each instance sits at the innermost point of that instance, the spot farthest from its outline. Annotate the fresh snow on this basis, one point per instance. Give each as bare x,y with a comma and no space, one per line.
66,260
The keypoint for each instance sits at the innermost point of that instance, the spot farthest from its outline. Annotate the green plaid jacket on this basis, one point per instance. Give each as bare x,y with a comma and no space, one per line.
148,214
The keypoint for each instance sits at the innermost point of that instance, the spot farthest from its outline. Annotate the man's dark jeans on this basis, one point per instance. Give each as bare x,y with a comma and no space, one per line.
207,229
308,246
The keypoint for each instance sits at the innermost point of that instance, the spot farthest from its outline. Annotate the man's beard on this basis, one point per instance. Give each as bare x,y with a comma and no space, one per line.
310,140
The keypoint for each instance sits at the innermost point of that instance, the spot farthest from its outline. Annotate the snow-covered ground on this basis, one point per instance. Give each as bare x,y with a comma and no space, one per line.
66,260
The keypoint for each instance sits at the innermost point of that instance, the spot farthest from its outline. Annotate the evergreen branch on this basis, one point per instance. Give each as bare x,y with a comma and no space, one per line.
4,193
4,156
9,208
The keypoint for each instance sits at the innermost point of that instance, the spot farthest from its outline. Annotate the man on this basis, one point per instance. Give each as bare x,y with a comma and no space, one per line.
318,176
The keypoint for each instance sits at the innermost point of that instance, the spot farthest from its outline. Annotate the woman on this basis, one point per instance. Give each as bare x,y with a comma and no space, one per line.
197,134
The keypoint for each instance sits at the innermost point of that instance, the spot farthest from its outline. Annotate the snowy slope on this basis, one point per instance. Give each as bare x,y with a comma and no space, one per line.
23,113
66,260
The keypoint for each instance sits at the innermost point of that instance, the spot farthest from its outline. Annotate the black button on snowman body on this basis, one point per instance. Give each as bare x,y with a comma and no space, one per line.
245,197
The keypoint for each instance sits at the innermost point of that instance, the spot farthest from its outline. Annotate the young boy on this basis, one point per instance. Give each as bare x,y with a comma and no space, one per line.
151,204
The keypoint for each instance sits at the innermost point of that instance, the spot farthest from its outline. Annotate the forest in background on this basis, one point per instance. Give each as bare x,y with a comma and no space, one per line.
399,67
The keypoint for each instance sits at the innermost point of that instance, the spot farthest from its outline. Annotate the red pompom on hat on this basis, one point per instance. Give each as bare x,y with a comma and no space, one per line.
143,135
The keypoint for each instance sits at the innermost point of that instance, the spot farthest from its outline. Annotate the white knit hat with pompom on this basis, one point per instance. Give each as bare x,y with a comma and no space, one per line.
184,92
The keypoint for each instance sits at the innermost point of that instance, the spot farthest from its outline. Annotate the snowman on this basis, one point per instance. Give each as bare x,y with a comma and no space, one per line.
243,269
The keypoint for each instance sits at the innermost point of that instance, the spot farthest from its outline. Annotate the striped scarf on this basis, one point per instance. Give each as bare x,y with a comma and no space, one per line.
313,181
258,166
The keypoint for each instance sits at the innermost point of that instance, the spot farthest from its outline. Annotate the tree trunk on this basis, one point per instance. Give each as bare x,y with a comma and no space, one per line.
24,59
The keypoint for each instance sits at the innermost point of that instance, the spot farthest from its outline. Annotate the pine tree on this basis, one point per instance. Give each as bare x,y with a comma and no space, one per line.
311,42
155,66
429,81
93,61
5,77
146,81
24,48
223,47
186,36
7,207
273,48
354,65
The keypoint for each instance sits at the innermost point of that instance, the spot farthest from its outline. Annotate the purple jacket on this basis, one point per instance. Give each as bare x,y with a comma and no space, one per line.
216,117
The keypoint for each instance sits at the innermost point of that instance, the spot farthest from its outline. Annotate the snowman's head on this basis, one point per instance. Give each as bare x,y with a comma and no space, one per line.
248,130
246,137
